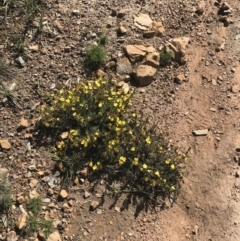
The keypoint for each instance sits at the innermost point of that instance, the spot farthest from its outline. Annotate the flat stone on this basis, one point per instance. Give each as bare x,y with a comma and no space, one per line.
23,123
135,52
143,22
203,132
5,144
94,205
122,30
63,194
22,221
124,67
55,236
58,25
34,48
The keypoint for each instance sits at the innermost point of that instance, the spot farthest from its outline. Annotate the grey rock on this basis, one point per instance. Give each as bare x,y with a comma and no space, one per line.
124,67
20,61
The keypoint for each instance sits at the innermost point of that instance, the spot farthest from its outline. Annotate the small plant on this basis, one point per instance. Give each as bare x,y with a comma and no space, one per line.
86,31
4,71
8,93
165,58
105,136
30,8
35,205
5,198
20,48
47,227
103,39
95,56
32,224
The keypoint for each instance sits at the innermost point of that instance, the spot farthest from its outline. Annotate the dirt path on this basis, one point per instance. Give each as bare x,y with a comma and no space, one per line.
208,206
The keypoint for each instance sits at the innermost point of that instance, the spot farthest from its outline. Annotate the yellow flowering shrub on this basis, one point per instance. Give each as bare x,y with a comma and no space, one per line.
106,136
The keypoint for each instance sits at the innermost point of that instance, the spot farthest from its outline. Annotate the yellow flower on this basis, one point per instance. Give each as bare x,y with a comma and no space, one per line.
134,114
172,167
97,83
67,101
144,166
74,114
60,145
61,91
145,179
100,104
130,132
157,173
148,140
84,143
115,104
90,163
95,167
62,99
58,119
168,161
122,160
164,180
173,188
110,118
133,148
73,132
135,161
153,184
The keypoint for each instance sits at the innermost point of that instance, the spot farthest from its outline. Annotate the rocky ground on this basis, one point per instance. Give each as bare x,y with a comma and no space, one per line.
195,99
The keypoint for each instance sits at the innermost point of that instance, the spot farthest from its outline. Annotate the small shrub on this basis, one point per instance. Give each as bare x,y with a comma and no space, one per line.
165,58
32,224
95,56
105,136
5,198
103,39
47,227
35,205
